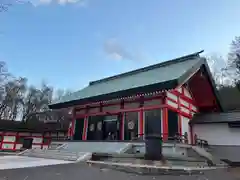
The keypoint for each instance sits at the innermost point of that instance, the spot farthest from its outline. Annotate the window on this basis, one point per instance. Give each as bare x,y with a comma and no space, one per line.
131,125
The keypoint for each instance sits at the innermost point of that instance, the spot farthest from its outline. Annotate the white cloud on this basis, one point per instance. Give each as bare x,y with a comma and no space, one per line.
116,56
82,3
115,50
45,1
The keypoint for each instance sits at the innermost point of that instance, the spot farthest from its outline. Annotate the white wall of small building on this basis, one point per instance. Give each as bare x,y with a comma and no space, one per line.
218,134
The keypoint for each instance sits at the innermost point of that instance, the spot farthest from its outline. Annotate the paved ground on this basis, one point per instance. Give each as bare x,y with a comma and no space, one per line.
84,172
13,162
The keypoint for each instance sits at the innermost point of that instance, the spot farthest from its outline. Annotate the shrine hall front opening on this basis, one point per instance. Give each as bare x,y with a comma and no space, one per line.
159,99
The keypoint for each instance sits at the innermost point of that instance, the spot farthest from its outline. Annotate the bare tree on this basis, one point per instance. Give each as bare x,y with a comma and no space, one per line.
37,100
234,62
11,93
17,100
13,98
3,78
60,93
217,66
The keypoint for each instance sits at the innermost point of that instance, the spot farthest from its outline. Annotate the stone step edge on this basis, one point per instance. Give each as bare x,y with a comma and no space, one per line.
50,153
76,158
131,165
65,158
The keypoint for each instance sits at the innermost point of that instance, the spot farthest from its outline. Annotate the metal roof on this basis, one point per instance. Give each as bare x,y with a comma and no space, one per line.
224,117
150,75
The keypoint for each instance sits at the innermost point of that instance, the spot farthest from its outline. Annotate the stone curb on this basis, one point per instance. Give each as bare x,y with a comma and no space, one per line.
145,169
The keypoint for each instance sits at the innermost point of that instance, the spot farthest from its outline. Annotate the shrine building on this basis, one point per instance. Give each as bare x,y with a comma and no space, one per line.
159,99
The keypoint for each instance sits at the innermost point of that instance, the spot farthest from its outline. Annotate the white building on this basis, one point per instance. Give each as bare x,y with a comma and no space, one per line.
221,131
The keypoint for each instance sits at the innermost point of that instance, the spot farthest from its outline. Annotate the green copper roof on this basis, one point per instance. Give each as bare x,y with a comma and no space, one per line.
154,74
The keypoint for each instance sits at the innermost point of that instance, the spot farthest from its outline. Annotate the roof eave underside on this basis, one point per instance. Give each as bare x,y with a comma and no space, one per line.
197,66
167,85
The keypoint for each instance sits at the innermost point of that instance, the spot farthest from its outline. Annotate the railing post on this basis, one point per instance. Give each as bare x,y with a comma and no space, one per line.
195,139
186,137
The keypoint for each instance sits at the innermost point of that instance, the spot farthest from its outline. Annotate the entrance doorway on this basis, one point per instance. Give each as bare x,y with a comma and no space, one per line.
153,122
172,124
79,123
131,125
103,128
27,143
95,131
111,130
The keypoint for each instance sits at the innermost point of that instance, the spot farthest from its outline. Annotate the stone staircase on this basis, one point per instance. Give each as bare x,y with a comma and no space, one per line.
57,154
100,147
82,151
76,151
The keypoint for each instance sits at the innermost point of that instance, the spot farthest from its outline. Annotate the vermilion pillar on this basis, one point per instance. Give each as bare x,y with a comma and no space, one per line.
165,123
179,117
85,127
122,126
122,121
71,127
180,124
141,123
165,119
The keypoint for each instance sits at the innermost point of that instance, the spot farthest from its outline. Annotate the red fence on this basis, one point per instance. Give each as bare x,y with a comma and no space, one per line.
13,141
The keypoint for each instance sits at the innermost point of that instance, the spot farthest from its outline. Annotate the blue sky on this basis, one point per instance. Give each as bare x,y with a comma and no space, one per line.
69,43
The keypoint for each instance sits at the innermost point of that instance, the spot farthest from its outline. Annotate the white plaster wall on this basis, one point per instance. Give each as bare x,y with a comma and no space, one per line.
18,146
37,140
184,125
36,146
218,134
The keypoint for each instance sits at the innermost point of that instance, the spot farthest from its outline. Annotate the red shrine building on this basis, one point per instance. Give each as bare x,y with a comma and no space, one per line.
159,99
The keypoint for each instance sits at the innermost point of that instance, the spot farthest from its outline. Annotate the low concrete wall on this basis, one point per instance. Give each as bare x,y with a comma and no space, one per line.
226,152
166,150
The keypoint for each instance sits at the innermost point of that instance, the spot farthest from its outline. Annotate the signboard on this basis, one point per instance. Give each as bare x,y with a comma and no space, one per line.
131,125
91,128
99,126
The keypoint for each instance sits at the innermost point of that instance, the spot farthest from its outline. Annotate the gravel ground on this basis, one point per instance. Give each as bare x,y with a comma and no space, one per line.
85,172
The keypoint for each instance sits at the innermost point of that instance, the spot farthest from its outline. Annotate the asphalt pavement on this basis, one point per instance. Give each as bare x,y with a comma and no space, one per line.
82,171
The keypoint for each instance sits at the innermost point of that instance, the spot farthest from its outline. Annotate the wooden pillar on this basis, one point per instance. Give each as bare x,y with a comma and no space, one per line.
72,130
192,139
165,119
15,142
122,126
122,121
180,125
141,119
141,124
165,123
85,128
2,134
85,125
